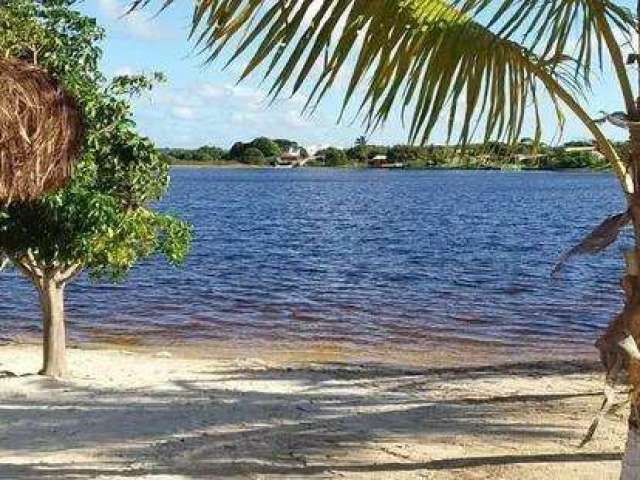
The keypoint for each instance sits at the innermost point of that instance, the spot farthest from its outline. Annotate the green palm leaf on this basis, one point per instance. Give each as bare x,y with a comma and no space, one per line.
553,28
468,63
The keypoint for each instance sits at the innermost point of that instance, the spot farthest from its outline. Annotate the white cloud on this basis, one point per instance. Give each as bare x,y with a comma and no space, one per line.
249,93
184,113
294,119
208,95
221,113
209,91
244,118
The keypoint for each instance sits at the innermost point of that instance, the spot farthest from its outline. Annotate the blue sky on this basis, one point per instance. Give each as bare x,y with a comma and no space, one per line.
202,104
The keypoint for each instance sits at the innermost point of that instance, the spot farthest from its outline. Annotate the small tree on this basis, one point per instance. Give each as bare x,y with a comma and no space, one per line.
335,157
361,141
237,150
209,154
253,156
268,147
415,156
285,145
100,222
360,153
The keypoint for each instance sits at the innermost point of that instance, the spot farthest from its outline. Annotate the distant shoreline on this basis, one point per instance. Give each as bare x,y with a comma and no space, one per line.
244,166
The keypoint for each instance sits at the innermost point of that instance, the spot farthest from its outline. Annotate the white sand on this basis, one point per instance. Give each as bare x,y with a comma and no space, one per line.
199,414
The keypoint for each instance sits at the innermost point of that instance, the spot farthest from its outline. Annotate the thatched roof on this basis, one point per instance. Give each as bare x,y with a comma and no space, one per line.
40,132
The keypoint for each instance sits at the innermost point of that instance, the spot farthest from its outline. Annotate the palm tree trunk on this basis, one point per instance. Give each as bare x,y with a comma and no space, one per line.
54,362
631,460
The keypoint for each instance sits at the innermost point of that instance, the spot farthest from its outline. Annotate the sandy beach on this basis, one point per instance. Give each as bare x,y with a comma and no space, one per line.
321,412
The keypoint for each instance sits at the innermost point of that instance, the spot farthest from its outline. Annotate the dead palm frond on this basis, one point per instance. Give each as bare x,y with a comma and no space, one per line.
41,132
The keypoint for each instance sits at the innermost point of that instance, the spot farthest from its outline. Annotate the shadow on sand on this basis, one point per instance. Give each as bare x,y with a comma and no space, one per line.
322,420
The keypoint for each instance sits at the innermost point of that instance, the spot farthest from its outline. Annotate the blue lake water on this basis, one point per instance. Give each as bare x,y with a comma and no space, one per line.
361,256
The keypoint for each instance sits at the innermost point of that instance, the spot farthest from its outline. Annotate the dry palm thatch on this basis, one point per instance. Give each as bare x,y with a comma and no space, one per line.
41,132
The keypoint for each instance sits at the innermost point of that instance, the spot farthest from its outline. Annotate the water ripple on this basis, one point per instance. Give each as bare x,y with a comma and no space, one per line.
361,256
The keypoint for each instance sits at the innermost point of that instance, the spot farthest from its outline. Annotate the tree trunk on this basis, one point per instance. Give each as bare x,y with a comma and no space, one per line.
631,460
53,329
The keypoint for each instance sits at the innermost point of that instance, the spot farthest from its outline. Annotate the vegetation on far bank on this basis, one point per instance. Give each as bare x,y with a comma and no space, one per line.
525,155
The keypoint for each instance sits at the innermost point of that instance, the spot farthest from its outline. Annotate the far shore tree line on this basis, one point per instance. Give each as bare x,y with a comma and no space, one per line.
259,152
526,154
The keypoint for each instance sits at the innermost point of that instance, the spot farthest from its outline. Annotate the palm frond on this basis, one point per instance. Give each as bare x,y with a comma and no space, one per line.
434,60
554,28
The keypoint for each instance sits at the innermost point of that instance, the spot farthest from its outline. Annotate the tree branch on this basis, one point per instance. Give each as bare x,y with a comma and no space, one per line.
29,271
37,268
68,274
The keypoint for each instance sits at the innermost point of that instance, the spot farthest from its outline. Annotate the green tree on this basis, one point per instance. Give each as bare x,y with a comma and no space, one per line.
237,150
578,143
204,154
209,154
101,221
286,145
267,146
378,150
359,153
334,157
563,159
415,156
253,156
